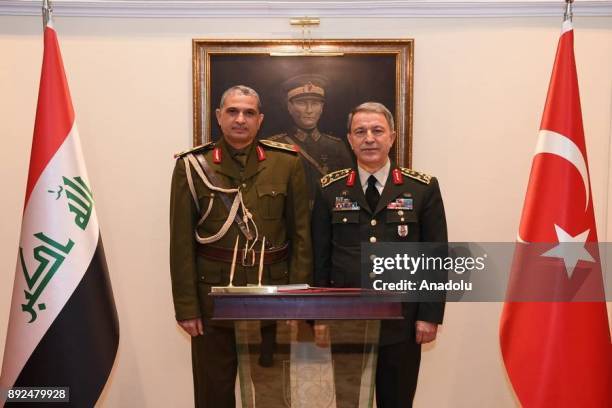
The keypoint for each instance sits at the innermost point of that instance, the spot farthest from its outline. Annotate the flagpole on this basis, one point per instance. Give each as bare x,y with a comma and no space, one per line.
47,11
569,10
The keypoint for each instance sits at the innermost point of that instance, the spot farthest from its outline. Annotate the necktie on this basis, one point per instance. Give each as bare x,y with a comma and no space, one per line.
371,193
241,158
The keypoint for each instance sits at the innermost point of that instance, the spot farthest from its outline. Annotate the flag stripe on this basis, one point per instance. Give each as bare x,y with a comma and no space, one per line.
65,356
54,113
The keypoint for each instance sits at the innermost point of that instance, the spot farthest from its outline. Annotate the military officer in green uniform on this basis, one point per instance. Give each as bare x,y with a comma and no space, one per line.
379,202
321,152
235,188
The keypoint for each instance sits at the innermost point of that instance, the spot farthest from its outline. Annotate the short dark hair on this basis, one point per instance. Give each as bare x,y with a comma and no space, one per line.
242,90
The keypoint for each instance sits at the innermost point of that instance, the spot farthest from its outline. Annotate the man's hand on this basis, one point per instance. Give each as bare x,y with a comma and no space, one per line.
425,331
193,327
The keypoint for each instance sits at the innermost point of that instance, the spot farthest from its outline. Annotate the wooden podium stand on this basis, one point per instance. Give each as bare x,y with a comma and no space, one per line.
309,371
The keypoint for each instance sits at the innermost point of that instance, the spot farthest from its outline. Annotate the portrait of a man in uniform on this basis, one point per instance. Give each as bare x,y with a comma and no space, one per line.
321,152
307,99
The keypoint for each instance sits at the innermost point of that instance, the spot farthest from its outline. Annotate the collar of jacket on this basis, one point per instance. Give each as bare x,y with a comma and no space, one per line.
230,168
390,191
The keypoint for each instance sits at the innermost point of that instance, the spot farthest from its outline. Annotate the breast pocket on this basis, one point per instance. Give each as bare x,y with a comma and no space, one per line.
345,226
272,200
401,225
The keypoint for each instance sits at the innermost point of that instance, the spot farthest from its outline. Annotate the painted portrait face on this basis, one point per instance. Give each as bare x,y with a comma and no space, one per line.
239,119
371,139
305,111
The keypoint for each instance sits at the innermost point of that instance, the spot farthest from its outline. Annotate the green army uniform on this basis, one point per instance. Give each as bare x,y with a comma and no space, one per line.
274,191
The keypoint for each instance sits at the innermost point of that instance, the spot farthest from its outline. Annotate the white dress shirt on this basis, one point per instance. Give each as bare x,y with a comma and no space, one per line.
381,177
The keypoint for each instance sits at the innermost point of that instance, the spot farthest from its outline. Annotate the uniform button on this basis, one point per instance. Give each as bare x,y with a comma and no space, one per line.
373,222
402,219
331,282
372,275
344,220
244,185
372,239
400,213
212,194
372,257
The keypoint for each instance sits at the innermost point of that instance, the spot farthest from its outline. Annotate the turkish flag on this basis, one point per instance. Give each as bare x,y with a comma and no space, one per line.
554,332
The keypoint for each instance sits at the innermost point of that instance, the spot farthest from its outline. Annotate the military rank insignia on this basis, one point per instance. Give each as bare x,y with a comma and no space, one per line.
400,204
345,204
422,177
335,176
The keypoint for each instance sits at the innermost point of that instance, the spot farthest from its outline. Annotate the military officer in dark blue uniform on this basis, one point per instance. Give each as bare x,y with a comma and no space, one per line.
379,202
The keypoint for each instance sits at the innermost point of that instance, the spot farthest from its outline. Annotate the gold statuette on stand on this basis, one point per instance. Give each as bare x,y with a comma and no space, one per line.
254,289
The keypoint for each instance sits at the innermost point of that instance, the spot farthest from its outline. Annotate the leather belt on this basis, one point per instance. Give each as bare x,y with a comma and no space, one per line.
250,258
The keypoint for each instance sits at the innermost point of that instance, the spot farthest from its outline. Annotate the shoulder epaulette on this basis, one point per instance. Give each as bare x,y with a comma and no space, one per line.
331,137
333,177
417,175
277,145
202,147
276,137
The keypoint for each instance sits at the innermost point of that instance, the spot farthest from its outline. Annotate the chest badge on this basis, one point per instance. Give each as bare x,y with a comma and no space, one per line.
402,230
400,204
345,204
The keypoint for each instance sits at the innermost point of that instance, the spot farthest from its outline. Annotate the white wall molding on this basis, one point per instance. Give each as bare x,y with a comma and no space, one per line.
320,8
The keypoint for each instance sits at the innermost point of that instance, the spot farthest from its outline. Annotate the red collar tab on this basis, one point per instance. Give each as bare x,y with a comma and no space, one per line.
296,148
398,178
350,180
261,154
217,155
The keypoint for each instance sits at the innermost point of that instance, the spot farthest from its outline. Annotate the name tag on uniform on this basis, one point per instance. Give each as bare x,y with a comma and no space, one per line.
400,204
345,204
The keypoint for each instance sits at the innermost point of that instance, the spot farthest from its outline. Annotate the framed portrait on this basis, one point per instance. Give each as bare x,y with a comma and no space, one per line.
345,72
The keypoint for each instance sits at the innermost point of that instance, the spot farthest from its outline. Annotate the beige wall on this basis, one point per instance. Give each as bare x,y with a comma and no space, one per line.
480,86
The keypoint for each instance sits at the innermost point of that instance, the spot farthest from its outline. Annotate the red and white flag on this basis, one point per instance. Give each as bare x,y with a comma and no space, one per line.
556,348
63,329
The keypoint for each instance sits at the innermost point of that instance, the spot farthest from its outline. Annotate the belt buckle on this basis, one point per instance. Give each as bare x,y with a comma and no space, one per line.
248,253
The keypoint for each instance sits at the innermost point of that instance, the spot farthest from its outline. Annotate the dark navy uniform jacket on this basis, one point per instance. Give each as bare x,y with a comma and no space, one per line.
338,233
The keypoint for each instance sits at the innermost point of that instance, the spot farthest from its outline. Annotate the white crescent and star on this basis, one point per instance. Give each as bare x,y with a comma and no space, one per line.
562,146
568,249
571,249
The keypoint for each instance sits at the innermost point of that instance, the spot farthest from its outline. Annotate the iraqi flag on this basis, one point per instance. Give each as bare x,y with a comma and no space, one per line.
63,329
556,348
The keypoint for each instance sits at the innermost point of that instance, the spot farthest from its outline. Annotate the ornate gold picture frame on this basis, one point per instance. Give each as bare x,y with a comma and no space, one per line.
355,71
